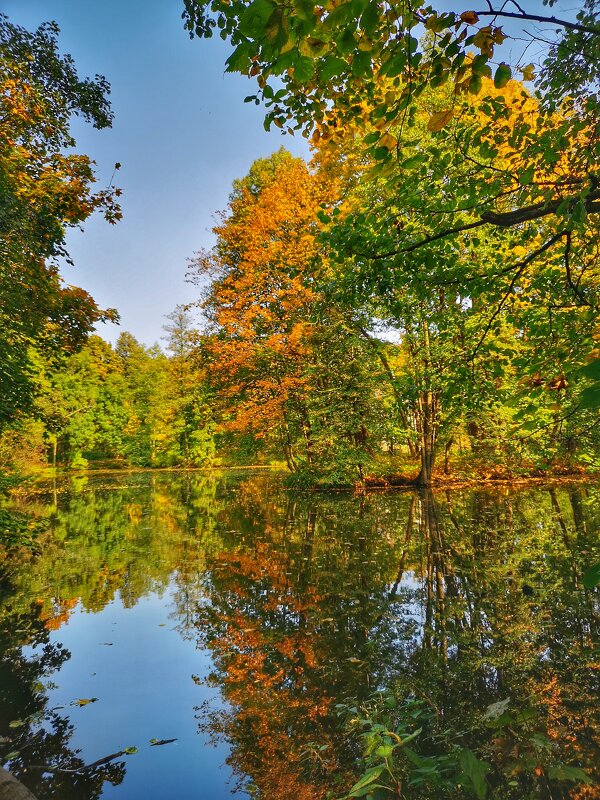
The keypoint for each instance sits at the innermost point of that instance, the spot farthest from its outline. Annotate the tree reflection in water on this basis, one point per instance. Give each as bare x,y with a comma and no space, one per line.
461,599
309,602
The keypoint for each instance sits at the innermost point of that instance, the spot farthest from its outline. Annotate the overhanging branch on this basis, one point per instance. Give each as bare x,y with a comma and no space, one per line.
563,23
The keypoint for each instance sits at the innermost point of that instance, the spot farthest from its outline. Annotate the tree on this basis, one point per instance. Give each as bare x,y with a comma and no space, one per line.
286,368
190,423
43,191
360,64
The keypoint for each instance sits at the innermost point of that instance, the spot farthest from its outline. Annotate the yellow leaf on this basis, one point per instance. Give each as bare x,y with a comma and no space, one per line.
498,35
388,141
528,72
439,120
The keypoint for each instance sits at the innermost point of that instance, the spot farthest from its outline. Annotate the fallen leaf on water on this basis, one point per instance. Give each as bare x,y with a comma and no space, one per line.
84,701
158,742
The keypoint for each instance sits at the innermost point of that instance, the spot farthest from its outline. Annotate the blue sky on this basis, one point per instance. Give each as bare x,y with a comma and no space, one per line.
182,134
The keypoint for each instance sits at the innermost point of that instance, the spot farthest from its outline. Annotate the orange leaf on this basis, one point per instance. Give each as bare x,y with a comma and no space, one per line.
470,17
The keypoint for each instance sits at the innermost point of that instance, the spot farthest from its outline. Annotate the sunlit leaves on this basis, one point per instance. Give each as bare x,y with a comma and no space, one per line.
439,120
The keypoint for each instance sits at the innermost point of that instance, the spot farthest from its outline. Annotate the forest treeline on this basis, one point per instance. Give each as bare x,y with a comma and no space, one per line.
420,298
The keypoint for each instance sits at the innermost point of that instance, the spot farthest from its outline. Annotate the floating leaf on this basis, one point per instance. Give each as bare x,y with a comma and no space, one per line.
16,723
130,751
84,701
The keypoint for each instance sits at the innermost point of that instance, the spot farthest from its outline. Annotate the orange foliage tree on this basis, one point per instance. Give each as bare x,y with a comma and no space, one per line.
274,347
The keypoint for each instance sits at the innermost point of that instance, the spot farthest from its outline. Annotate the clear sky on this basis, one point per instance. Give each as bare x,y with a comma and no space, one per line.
182,134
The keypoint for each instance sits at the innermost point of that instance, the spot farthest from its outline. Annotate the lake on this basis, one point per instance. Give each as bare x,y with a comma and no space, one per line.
226,636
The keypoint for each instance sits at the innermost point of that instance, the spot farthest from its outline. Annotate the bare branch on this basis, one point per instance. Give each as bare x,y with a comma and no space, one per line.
563,23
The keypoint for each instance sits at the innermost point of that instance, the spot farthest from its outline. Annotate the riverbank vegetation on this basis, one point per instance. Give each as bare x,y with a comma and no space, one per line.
420,299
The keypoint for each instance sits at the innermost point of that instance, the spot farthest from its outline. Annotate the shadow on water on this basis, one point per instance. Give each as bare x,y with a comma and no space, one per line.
310,605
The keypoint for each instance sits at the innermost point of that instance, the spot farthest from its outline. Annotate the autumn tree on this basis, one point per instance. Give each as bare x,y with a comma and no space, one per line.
44,190
284,365
373,68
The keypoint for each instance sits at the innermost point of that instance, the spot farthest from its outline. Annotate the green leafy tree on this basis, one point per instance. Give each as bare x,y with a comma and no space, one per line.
44,190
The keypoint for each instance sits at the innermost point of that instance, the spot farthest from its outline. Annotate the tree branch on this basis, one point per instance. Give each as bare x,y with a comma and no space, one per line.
520,268
507,219
563,23
503,219
440,235
573,286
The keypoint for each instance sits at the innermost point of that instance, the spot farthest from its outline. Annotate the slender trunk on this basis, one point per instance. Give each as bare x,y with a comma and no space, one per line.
428,437
449,444
428,405
307,433
286,446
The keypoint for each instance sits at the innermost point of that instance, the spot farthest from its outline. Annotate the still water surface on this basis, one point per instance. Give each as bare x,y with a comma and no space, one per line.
231,616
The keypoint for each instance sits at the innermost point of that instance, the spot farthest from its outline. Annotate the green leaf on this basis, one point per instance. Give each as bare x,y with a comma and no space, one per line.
495,710
591,577
592,370
239,60
526,176
502,76
331,66
303,69
414,161
590,397
367,779
474,771
130,751
564,773
370,18
254,19
361,63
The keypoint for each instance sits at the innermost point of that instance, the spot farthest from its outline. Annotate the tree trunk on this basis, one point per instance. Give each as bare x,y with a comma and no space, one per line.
12,789
428,437
449,444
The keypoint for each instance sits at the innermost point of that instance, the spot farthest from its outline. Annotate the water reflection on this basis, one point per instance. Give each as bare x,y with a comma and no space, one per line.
305,602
